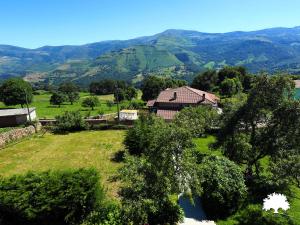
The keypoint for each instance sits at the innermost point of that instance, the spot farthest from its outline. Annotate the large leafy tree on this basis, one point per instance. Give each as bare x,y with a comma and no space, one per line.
91,102
282,136
16,91
223,185
153,85
57,98
165,167
230,87
197,120
246,130
70,90
206,81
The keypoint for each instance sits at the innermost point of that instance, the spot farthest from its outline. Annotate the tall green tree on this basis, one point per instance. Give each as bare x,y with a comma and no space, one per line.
16,91
70,90
165,168
198,120
223,186
246,130
206,81
230,87
151,87
57,98
91,102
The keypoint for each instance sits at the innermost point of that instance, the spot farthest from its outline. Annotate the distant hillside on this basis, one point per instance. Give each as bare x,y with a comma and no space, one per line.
177,53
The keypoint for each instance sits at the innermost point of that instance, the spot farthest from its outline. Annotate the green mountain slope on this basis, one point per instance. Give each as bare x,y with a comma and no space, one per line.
177,53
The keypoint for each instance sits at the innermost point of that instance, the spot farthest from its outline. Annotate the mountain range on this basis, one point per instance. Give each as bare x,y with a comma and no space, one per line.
176,53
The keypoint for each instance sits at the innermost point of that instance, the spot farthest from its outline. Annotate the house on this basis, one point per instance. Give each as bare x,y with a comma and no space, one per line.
171,101
15,117
128,115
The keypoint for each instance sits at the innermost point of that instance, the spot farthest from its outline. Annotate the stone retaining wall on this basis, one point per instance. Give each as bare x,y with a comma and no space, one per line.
16,134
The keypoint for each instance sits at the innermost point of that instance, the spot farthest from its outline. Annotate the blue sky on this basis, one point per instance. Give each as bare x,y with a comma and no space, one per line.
34,23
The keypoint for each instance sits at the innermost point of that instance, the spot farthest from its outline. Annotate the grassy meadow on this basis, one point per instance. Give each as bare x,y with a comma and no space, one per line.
74,150
45,110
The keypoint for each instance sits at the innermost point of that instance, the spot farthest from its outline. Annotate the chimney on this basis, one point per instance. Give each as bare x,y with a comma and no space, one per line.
203,96
175,95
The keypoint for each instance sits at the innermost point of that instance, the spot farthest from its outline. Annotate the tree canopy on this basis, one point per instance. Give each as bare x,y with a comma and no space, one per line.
16,91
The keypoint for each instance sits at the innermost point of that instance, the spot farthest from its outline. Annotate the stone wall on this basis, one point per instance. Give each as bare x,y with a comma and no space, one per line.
16,134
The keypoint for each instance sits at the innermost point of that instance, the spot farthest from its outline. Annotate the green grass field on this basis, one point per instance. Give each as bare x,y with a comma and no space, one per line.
75,150
45,110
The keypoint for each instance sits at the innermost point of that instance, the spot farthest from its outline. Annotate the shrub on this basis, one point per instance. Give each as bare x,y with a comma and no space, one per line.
223,186
105,214
70,121
56,198
254,215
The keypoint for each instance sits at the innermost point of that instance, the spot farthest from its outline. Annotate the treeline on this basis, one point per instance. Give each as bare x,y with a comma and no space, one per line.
227,81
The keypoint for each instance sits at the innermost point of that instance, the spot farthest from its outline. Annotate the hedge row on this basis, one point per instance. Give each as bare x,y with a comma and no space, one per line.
52,197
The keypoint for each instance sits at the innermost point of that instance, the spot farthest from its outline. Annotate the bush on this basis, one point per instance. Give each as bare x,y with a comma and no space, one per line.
70,121
45,198
254,215
105,214
223,186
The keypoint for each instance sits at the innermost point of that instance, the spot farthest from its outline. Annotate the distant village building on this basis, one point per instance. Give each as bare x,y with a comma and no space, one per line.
128,115
15,117
171,101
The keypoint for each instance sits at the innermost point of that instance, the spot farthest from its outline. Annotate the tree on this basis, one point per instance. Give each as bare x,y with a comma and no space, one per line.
151,87
166,167
127,93
206,81
197,120
16,91
106,87
248,133
57,98
70,90
223,185
91,102
139,137
230,86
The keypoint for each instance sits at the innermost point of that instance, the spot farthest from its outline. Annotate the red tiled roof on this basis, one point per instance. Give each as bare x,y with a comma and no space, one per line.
151,103
185,95
166,114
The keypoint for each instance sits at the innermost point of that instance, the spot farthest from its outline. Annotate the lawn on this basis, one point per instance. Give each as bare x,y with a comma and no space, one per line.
75,150
45,110
203,145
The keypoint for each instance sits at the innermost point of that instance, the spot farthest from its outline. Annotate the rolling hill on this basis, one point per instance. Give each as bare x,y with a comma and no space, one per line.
178,53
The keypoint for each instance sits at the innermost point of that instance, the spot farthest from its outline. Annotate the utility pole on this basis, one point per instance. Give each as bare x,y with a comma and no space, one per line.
117,99
27,105
28,111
